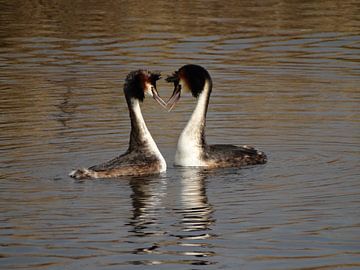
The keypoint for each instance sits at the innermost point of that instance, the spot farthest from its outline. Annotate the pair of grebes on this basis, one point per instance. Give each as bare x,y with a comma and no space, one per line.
143,156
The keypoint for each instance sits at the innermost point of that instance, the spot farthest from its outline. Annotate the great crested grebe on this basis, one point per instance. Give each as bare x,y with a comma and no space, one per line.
192,149
143,156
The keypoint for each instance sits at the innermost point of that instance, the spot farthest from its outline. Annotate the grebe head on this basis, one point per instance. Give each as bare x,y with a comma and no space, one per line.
189,78
140,83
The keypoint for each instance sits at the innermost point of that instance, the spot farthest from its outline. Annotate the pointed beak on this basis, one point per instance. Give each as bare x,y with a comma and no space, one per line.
175,97
158,98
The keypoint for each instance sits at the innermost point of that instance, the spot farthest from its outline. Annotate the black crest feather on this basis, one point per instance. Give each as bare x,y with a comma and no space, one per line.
195,77
135,83
174,78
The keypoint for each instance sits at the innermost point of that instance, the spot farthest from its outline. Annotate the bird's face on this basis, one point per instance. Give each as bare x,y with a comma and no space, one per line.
189,78
142,83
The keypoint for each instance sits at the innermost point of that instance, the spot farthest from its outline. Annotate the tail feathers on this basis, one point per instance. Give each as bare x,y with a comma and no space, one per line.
82,174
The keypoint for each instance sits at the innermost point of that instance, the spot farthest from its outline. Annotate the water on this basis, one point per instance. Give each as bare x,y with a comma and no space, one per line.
286,79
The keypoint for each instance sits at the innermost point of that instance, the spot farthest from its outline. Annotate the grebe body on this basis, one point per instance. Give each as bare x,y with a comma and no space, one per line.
192,149
143,156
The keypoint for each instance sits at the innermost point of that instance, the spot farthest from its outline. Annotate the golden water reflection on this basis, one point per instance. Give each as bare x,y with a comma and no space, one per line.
196,210
286,80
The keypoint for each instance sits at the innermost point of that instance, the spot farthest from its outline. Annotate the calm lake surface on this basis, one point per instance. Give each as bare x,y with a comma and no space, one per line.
286,80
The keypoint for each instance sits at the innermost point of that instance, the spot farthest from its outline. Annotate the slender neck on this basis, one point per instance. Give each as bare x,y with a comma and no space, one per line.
139,135
195,128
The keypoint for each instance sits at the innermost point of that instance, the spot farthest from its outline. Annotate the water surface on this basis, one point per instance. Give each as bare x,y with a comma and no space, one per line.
286,79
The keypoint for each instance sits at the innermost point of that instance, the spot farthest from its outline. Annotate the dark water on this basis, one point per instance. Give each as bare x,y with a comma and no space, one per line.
286,79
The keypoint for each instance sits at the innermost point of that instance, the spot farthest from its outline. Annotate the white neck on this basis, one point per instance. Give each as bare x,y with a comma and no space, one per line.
190,143
142,133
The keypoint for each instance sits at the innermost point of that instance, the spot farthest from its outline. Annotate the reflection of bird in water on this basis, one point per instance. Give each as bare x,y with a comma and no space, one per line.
146,198
196,217
143,156
151,228
192,149
147,204
196,210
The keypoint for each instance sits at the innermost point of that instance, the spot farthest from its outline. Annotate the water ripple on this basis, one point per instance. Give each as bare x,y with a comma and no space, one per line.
286,79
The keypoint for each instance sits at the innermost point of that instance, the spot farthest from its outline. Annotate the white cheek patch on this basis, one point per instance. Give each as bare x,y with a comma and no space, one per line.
148,92
184,87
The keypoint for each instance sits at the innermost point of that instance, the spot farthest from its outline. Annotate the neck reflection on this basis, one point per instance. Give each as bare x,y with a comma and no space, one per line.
196,218
147,196
196,210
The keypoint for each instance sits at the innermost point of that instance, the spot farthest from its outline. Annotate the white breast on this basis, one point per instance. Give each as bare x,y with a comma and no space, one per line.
188,152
